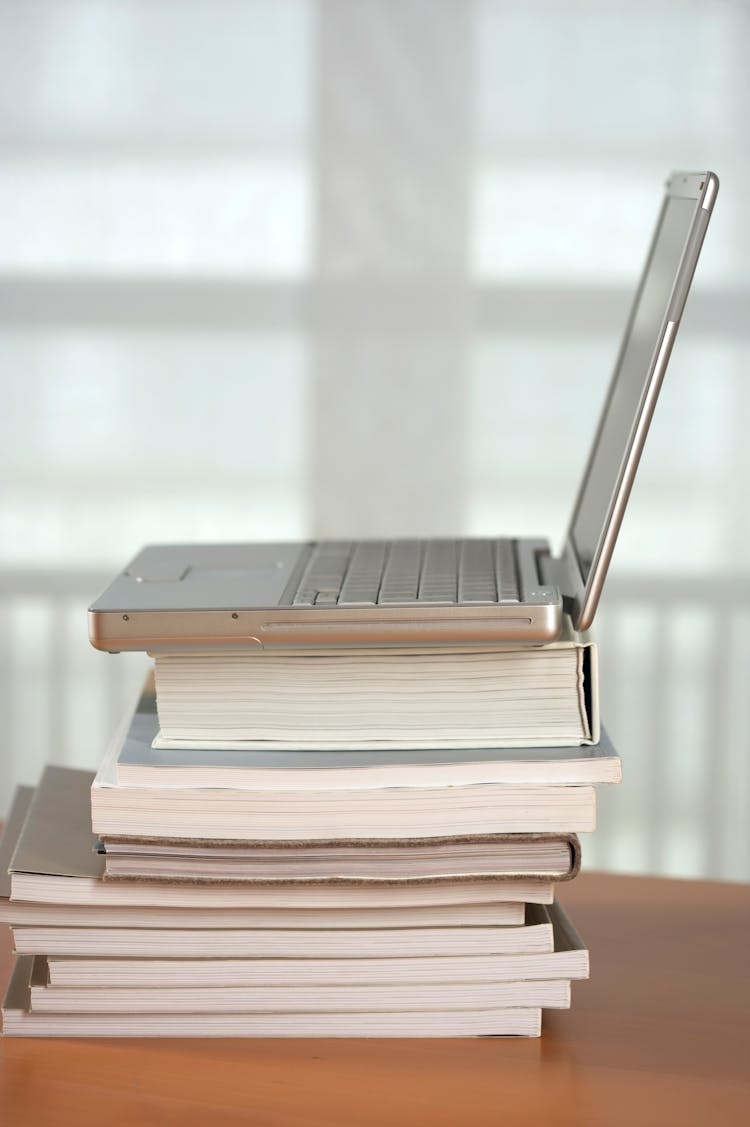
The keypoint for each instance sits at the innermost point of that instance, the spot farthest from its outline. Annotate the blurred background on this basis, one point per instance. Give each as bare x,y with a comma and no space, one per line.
280,269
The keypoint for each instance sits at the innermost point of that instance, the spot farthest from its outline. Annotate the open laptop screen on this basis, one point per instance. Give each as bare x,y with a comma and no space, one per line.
630,383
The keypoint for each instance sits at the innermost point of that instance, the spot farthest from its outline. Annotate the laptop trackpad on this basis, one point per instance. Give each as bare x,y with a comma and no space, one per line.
157,572
248,586
213,577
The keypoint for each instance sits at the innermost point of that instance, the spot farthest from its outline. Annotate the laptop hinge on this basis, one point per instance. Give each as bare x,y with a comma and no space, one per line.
560,571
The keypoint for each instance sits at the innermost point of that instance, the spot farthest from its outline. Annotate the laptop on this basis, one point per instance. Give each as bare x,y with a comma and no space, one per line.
429,592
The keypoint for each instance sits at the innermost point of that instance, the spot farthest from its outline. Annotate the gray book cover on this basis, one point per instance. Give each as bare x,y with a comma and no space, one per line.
138,751
19,809
56,838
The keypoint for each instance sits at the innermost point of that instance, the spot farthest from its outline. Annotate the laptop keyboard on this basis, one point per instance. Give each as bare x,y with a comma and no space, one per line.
409,572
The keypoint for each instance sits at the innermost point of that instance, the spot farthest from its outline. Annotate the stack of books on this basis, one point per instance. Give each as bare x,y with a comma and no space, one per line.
343,842
323,843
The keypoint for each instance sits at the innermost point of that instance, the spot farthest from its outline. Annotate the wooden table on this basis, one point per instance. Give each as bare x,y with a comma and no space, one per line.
660,1035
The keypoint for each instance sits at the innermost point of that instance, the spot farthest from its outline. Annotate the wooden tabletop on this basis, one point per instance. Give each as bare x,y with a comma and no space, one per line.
660,1035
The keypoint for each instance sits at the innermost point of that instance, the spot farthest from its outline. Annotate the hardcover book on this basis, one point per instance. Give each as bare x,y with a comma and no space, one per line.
400,697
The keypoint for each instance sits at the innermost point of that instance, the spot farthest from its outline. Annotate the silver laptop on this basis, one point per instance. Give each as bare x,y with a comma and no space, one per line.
375,592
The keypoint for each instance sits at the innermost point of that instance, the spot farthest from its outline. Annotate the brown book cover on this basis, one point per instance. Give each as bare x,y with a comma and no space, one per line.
399,848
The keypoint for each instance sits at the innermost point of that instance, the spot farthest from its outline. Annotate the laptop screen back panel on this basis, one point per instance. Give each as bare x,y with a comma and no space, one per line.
632,395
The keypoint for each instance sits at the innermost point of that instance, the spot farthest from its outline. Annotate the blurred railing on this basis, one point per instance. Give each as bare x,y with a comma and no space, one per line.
674,656
59,698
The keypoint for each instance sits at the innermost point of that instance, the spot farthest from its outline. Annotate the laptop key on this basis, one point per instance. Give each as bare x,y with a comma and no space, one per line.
324,573
439,580
362,582
476,573
507,575
305,597
401,575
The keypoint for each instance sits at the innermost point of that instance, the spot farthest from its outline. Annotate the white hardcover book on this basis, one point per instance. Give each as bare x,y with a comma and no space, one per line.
398,697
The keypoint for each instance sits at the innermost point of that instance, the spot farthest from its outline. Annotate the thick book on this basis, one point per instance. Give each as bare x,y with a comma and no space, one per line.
54,866
20,1021
138,763
230,815
265,814
187,814
444,697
